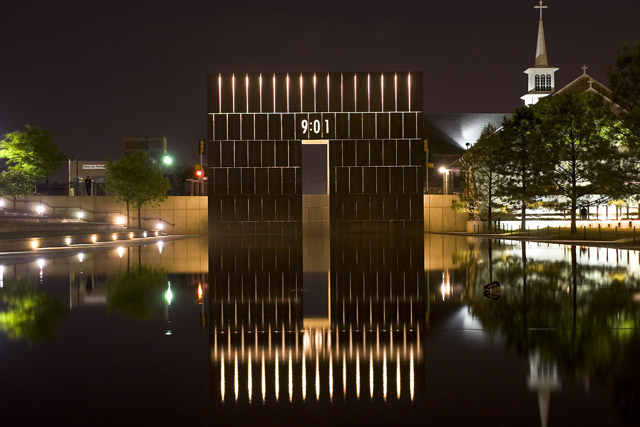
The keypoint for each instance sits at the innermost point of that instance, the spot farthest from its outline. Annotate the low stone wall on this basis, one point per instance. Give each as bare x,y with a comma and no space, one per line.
178,214
440,217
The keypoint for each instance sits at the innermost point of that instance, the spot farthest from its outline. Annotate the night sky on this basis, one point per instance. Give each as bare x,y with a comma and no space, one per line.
95,72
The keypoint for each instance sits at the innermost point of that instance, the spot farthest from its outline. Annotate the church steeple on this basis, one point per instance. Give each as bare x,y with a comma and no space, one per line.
541,76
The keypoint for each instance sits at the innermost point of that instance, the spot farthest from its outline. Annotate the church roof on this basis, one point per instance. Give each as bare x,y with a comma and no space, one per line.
586,83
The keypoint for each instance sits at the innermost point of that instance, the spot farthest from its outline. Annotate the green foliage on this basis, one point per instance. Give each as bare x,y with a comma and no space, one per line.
16,183
587,167
130,293
624,81
32,152
136,180
479,168
31,315
521,161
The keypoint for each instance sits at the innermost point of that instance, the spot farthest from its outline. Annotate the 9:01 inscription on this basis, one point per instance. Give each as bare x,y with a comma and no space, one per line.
314,126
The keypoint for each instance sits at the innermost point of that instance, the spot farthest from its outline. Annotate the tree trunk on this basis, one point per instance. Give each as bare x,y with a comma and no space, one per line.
127,214
489,205
139,226
523,212
574,228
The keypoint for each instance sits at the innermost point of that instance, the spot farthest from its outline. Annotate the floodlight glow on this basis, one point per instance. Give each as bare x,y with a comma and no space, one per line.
120,251
67,240
80,257
35,244
80,214
144,234
160,245
1,276
120,220
1,203
160,226
41,263
114,236
131,235
94,238
442,169
40,209
167,159
157,233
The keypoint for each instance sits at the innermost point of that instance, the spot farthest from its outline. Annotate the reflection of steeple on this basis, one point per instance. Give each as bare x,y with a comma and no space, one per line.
543,377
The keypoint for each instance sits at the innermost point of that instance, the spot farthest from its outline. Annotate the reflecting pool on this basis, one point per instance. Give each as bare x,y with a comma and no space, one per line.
322,329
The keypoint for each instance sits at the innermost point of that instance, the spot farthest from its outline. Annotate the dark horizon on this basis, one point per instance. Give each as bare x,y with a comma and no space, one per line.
97,74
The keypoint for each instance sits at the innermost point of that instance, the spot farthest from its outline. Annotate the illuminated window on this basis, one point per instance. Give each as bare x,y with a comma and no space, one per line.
548,81
537,85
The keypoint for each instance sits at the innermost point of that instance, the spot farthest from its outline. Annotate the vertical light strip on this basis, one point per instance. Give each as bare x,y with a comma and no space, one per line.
314,93
330,377
219,93
341,92
317,377
290,378
411,375
368,91
264,380
409,91
358,373
274,95
222,384
384,374
233,93
301,109
355,92
398,378
249,378
277,374
328,97
246,90
395,88
304,377
371,373
382,91
260,84
236,381
287,93
344,375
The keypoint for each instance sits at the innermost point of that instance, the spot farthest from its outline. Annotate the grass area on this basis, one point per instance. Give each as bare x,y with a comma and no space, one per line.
584,233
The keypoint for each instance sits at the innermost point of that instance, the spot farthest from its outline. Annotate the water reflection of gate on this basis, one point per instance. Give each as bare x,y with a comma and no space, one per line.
265,347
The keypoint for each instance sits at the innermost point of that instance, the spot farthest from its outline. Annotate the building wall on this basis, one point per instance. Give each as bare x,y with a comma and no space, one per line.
440,217
179,214
370,121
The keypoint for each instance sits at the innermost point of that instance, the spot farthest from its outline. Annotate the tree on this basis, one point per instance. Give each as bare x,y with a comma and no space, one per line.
521,161
136,180
480,173
32,152
624,81
587,165
15,183
130,292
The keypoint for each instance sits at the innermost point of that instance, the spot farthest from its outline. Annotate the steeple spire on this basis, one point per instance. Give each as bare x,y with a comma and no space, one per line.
541,48
541,77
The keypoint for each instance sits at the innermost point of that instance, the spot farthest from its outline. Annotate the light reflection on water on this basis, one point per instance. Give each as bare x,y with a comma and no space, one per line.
357,321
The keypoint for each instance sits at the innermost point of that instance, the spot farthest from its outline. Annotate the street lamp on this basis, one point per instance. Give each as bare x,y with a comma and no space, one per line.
167,160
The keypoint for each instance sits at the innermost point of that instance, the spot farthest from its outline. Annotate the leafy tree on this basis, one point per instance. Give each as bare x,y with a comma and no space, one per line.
587,166
521,161
32,152
15,183
624,81
30,315
129,293
480,173
136,180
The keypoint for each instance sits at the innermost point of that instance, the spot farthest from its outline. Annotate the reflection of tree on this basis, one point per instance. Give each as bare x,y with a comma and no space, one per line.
31,315
130,291
581,318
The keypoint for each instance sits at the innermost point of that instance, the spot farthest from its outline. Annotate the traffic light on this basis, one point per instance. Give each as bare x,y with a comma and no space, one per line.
199,173
202,146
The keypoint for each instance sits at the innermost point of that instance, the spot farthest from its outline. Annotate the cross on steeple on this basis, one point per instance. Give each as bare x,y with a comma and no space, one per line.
584,69
540,7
